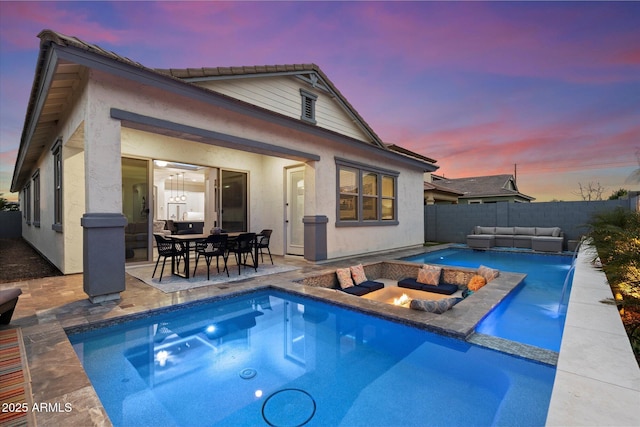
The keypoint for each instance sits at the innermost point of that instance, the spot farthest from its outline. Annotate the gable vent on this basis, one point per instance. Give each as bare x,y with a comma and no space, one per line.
308,106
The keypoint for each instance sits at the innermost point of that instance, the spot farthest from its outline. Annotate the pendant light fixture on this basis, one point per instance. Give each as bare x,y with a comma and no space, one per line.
171,199
184,196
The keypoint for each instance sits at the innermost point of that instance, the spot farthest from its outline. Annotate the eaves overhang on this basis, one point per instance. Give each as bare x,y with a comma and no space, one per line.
60,70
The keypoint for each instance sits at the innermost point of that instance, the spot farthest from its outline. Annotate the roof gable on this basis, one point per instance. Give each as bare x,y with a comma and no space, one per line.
278,88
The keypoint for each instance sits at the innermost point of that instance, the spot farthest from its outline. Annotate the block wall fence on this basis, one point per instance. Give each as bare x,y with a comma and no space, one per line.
452,223
10,224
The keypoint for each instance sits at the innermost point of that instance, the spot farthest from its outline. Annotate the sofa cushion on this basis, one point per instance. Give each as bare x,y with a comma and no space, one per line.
525,231
476,283
344,277
488,273
371,285
434,306
442,288
357,272
486,230
429,275
505,231
545,231
9,294
356,290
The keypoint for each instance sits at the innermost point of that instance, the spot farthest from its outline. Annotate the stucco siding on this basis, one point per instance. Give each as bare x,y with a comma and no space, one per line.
266,173
62,249
282,95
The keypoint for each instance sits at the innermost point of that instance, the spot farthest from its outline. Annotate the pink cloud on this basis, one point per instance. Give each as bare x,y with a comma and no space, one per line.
515,40
22,21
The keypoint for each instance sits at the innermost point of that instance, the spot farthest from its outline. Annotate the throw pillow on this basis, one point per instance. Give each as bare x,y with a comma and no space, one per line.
488,273
429,275
437,306
344,277
357,272
476,283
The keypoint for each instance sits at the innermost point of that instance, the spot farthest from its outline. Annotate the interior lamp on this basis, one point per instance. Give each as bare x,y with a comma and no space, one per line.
171,199
184,196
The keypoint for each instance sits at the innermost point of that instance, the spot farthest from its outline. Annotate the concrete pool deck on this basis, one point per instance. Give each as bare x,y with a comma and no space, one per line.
597,382
597,377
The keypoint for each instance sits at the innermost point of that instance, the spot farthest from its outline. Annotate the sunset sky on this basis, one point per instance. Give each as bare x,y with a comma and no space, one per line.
479,86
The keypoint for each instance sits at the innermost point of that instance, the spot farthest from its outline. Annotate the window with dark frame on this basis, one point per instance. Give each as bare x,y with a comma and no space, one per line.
27,203
57,185
366,195
36,198
308,106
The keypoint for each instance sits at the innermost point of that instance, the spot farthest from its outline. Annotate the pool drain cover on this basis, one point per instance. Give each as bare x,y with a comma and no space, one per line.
288,407
248,373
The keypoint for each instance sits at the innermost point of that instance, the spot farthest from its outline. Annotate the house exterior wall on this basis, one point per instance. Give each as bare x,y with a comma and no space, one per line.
93,144
282,95
63,249
320,199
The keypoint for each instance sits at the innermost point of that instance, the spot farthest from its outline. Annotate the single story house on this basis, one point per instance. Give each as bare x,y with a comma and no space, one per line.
435,194
112,150
483,189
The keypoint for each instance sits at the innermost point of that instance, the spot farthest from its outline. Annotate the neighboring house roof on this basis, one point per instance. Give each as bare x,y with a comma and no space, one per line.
483,186
59,72
430,186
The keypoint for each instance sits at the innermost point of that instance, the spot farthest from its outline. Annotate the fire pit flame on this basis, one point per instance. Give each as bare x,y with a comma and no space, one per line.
404,300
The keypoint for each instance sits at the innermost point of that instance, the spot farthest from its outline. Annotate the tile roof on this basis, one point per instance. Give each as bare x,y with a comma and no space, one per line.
442,189
183,74
483,186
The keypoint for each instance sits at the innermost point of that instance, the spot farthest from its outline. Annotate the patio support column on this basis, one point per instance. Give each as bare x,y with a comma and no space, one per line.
103,222
315,237
314,222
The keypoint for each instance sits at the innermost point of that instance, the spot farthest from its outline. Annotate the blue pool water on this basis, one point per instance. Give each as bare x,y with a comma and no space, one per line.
535,312
271,358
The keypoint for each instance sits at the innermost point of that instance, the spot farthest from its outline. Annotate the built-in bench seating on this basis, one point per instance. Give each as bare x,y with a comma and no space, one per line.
544,239
402,272
442,287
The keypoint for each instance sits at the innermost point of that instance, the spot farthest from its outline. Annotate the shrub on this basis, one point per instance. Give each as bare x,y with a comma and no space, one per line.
616,235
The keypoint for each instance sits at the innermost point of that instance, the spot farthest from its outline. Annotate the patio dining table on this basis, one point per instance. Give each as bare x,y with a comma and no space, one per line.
187,239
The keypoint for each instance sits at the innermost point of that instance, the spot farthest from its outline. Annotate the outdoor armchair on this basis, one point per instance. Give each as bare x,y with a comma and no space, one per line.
243,246
213,246
263,243
167,249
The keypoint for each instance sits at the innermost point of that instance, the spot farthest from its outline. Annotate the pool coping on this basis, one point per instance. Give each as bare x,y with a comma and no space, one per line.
597,376
50,305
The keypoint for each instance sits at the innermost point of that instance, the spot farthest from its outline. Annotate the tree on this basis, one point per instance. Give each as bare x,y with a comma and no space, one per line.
591,191
618,194
634,178
6,205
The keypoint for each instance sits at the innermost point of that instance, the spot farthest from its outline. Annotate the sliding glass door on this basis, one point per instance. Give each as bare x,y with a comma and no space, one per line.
135,206
234,210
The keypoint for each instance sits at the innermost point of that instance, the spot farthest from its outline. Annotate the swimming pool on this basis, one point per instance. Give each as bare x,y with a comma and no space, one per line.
273,358
535,312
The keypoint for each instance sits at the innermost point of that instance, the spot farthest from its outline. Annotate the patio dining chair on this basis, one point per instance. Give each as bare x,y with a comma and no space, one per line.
213,246
167,248
243,246
263,238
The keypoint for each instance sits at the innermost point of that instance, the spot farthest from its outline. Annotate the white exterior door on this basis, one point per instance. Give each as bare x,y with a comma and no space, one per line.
295,211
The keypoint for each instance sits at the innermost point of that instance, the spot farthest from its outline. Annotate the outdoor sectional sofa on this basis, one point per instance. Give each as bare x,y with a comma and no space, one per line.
544,239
